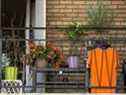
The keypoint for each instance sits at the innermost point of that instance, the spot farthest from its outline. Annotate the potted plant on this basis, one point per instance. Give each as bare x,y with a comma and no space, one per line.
73,31
9,70
100,16
55,56
48,56
39,57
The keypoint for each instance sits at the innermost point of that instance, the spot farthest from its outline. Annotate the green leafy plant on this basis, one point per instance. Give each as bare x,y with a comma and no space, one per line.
9,72
100,16
50,53
74,30
5,61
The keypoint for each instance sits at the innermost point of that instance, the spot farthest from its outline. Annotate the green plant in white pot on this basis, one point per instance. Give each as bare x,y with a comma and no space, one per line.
74,32
9,71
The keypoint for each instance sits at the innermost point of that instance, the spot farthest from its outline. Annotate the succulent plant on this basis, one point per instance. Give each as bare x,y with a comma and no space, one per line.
5,61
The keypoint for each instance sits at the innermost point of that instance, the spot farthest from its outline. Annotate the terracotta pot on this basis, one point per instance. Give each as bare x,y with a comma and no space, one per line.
41,63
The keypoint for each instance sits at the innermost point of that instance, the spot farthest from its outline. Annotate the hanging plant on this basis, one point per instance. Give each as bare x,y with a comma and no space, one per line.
100,16
74,31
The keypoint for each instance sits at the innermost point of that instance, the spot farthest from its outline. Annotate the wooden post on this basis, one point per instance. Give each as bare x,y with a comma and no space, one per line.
40,21
27,24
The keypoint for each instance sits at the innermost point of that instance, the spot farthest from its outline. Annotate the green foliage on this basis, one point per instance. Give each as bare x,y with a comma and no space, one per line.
100,16
8,61
49,53
74,30
5,61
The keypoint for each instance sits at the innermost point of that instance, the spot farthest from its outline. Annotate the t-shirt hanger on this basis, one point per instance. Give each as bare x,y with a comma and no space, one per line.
102,43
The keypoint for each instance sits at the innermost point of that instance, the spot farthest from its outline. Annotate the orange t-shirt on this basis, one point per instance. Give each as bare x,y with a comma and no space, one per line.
103,66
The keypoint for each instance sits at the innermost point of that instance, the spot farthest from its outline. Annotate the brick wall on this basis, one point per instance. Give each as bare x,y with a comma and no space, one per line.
63,12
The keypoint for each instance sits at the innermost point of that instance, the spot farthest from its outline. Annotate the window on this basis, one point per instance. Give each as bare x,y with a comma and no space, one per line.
23,14
22,20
